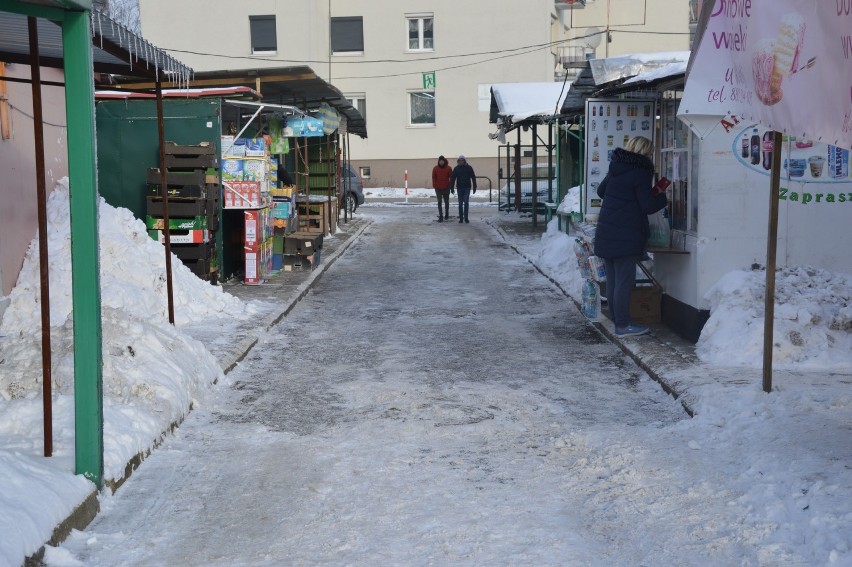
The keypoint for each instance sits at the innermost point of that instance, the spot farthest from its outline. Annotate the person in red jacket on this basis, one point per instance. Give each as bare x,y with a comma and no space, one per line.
441,183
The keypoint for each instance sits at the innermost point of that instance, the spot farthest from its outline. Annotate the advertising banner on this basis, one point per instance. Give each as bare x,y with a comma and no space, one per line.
784,63
610,123
305,127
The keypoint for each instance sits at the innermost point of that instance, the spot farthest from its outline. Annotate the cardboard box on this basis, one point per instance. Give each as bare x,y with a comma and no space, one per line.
242,195
181,236
254,170
177,223
232,170
644,304
302,243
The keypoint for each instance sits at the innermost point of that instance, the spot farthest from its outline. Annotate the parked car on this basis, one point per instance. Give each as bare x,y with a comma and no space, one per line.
543,194
353,188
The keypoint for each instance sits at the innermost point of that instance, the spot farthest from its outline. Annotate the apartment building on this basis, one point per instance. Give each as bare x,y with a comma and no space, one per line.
419,70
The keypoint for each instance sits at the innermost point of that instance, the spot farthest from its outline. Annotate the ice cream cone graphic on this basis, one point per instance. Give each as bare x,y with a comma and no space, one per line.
774,59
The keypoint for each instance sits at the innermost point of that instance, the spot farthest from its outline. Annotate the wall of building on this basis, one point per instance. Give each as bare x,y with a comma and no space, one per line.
211,36
462,29
18,214
631,23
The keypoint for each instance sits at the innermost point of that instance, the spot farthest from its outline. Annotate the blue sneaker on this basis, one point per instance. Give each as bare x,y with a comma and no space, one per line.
631,331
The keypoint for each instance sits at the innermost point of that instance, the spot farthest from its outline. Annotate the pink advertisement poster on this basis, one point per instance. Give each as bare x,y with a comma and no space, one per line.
784,63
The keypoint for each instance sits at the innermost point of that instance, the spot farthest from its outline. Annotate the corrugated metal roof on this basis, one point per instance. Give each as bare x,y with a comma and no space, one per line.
116,50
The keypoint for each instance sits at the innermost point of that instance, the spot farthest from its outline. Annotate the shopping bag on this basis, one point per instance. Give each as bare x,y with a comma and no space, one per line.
660,231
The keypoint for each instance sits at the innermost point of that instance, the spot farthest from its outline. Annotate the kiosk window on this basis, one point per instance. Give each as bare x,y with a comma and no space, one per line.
347,35
263,37
676,161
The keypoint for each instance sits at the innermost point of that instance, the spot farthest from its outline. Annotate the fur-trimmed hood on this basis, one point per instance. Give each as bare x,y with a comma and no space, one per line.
622,160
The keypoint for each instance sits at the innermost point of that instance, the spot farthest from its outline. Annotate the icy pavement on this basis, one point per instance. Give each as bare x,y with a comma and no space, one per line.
418,406
435,401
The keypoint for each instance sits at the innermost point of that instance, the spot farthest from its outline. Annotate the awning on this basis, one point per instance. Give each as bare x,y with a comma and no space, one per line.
623,66
294,86
517,102
116,50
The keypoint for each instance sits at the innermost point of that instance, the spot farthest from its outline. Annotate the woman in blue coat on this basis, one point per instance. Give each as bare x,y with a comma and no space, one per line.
628,198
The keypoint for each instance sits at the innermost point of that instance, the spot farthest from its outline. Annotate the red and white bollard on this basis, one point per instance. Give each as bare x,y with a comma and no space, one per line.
406,186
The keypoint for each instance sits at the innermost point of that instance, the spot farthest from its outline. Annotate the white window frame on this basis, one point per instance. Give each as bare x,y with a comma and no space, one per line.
408,99
364,171
688,210
420,25
359,101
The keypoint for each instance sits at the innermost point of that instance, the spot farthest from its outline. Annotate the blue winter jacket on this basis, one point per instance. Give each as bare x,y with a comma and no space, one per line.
463,177
623,225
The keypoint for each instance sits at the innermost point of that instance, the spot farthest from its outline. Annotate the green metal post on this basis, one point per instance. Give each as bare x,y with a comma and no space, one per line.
85,268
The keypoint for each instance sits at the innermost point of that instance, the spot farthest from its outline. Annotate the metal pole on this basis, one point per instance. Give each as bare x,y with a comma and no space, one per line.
550,162
771,255
167,235
44,272
85,263
328,157
346,159
535,176
518,173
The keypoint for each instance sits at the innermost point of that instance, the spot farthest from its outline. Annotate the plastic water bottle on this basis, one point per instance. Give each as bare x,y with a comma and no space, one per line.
590,300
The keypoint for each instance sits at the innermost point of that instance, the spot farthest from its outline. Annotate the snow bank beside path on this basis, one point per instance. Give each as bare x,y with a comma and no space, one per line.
813,320
152,371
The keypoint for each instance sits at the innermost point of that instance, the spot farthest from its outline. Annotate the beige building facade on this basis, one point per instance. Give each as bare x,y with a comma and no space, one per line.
419,71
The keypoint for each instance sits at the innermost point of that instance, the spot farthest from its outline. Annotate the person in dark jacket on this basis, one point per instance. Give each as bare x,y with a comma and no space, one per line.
441,175
463,179
628,198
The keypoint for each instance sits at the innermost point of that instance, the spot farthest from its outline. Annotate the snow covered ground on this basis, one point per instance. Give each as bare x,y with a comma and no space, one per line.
768,475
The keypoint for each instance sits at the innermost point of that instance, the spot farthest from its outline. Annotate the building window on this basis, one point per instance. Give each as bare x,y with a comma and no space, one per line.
347,35
421,36
365,171
676,164
421,108
263,37
359,101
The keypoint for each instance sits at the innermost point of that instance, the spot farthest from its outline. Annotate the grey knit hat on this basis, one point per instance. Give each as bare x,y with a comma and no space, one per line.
461,158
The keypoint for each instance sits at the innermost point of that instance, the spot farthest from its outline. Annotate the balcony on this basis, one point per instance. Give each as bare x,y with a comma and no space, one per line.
574,56
569,4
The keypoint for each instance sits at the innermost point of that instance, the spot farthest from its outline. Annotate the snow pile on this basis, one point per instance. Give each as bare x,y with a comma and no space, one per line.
813,320
133,273
152,372
556,257
148,365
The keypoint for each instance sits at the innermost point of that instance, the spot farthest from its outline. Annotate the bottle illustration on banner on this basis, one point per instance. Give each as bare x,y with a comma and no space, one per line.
608,110
745,145
755,147
595,143
594,110
767,150
600,110
618,110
